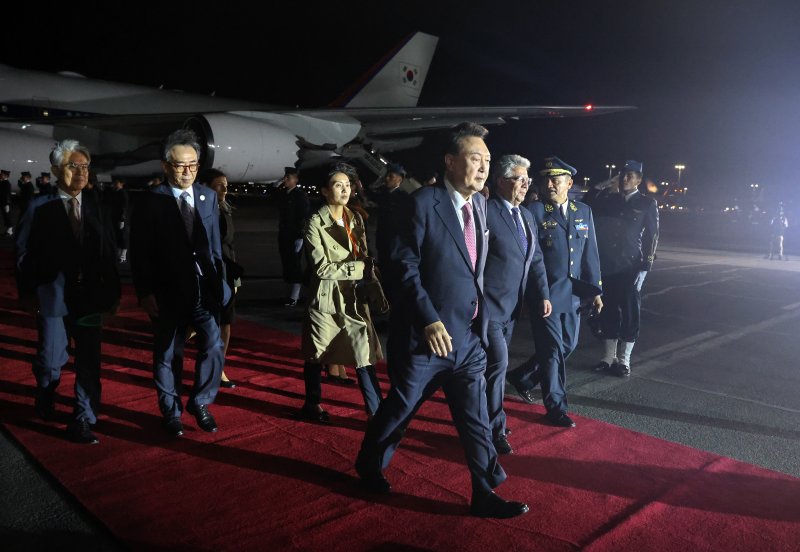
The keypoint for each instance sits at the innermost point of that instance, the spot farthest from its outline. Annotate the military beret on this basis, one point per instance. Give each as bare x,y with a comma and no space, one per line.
553,166
46,174
25,173
289,170
5,172
630,165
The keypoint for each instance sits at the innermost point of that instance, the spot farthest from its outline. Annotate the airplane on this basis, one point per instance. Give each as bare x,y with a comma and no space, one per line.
123,124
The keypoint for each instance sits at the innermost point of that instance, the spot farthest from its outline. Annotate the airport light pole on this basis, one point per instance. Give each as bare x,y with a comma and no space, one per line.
610,168
586,181
680,170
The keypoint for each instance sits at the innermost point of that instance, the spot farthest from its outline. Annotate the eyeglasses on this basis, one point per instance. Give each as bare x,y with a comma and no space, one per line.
519,179
77,167
181,167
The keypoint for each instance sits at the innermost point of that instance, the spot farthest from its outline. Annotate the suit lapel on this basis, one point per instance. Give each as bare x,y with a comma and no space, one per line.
447,213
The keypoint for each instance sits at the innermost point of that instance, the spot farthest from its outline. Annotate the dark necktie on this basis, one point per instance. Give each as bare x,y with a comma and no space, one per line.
187,213
523,238
75,217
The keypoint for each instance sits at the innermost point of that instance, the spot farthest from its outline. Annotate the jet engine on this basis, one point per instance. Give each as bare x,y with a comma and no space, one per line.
244,148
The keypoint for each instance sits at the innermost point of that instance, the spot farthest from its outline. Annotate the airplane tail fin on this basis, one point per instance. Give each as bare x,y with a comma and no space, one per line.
397,79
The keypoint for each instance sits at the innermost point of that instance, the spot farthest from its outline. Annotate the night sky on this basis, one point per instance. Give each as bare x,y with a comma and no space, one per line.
716,83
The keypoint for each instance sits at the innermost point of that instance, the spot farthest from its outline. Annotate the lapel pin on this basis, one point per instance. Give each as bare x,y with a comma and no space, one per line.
202,198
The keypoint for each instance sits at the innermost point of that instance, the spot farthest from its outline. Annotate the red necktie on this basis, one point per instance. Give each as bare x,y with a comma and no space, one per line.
75,217
469,238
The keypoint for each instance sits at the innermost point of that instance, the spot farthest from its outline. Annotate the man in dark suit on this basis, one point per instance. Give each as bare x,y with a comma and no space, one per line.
627,237
5,201
513,253
177,267
292,214
68,278
567,240
391,202
438,330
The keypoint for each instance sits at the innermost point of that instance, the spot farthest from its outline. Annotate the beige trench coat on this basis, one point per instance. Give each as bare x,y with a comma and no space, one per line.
337,328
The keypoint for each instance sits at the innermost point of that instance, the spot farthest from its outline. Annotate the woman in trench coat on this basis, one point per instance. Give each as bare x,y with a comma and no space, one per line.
337,328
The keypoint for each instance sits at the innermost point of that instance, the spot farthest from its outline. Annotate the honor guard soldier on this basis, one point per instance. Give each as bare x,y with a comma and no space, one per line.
26,192
627,236
567,241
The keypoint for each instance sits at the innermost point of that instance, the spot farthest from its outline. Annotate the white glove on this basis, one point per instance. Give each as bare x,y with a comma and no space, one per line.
298,245
121,224
122,255
6,208
640,280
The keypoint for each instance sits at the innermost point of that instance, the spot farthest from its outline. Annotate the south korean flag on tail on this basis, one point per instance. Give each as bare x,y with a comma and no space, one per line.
410,75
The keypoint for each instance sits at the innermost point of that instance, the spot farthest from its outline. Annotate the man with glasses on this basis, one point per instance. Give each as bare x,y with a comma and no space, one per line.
567,240
68,279
627,236
513,253
176,262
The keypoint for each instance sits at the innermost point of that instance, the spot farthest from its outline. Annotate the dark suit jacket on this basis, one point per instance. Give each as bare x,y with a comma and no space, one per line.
163,257
507,267
67,275
435,274
570,255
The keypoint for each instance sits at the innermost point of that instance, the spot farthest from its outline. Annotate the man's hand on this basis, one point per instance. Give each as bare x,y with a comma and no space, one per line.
298,245
640,276
597,305
150,305
546,308
438,339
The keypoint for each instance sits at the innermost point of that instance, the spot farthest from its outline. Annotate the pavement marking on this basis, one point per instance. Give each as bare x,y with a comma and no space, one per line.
643,370
676,345
679,267
720,394
699,284
792,306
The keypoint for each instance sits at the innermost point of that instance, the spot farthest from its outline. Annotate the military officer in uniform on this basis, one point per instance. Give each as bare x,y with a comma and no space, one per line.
627,236
567,241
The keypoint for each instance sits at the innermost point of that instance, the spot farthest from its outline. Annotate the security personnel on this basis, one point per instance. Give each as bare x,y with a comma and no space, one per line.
292,215
627,236
5,201
26,192
567,241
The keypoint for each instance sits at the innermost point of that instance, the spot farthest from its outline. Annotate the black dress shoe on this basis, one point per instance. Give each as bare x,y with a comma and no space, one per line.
622,370
291,302
227,384
312,414
525,394
80,432
601,366
502,446
204,418
371,478
173,426
489,505
44,401
508,431
559,419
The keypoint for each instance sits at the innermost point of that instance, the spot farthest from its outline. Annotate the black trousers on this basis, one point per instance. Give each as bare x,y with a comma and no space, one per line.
622,304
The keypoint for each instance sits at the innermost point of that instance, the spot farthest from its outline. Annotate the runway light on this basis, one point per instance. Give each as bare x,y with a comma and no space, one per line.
588,107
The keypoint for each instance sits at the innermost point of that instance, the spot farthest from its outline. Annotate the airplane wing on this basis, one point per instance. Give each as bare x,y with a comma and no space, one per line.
123,124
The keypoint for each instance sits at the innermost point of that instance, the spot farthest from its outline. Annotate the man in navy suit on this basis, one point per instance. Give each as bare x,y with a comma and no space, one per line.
67,277
513,253
176,262
438,330
569,247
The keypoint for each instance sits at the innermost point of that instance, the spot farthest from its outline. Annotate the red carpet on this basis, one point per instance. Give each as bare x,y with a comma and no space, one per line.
268,482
